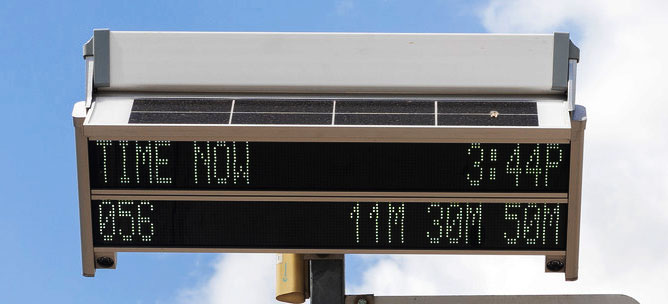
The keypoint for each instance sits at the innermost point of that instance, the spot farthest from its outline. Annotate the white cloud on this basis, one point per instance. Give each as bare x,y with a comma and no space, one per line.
237,278
622,81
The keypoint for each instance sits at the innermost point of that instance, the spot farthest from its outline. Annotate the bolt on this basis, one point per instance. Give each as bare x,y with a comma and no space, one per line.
555,265
362,301
105,262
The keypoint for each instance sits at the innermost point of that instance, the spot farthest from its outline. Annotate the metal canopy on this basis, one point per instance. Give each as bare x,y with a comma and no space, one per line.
331,62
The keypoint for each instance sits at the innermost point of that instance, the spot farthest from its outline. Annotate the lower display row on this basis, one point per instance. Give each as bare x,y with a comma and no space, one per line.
329,225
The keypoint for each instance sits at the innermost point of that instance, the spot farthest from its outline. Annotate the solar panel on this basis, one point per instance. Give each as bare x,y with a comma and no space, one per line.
347,112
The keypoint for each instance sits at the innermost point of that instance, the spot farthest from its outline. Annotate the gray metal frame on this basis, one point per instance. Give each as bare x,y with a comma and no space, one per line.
490,197
331,251
522,299
327,133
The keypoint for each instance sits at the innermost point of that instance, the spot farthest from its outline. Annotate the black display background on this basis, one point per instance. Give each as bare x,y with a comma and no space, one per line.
316,225
323,166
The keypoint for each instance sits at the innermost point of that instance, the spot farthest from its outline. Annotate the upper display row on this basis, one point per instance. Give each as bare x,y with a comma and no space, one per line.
329,166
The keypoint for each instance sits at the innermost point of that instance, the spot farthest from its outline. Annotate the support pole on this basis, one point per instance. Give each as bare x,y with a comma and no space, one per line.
327,281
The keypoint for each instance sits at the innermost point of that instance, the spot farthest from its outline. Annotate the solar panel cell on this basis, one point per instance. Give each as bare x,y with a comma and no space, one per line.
385,119
487,120
179,118
485,107
283,106
384,106
281,119
181,105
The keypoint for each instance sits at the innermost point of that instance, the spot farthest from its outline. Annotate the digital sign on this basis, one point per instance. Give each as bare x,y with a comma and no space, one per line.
329,225
329,166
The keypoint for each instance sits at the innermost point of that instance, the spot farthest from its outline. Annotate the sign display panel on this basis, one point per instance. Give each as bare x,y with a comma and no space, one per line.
329,225
330,166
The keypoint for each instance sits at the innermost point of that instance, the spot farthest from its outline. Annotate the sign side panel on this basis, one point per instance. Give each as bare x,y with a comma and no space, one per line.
575,196
87,254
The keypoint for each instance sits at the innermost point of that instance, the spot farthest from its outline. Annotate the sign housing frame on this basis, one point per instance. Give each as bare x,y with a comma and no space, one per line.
553,59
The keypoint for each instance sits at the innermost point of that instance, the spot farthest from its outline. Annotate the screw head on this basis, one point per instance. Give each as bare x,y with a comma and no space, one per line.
555,265
105,262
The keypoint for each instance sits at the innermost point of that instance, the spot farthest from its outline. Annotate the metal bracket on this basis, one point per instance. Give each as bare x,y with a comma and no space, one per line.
555,264
90,65
327,278
572,75
101,51
105,260
97,46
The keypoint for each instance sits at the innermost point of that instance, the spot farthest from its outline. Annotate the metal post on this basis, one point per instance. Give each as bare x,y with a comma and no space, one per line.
327,281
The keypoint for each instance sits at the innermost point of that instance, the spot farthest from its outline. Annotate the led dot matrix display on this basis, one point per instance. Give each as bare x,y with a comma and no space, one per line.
330,225
327,166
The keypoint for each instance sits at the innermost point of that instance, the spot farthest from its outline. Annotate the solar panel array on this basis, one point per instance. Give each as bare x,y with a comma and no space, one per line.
258,111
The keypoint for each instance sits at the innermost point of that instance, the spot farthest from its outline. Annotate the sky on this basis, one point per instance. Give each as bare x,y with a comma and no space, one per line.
621,81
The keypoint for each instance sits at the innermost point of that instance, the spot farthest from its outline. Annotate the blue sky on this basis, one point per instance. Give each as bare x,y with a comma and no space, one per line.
42,75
